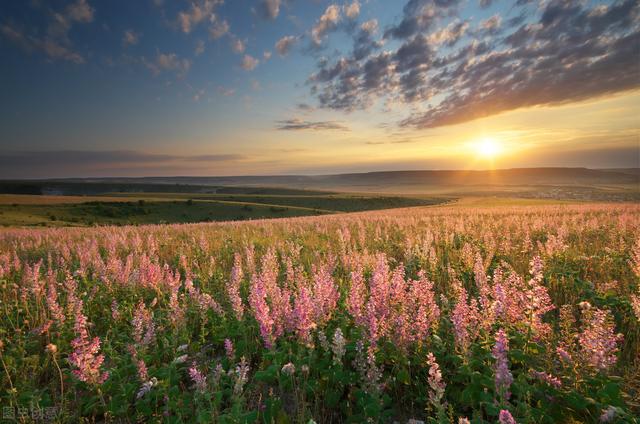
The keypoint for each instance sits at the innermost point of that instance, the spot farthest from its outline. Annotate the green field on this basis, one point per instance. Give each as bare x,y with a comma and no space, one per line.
158,208
326,202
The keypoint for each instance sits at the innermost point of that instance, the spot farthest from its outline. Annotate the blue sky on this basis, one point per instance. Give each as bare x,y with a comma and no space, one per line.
212,87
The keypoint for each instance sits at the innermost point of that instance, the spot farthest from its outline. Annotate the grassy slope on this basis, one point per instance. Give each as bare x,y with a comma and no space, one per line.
133,213
153,208
337,203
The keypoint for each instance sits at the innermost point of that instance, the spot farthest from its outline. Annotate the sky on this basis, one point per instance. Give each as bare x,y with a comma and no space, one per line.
95,88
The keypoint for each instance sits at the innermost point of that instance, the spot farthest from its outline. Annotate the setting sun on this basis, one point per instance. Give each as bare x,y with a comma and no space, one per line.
488,148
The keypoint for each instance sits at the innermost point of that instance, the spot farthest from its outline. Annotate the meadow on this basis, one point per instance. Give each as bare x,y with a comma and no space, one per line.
234,204
522,312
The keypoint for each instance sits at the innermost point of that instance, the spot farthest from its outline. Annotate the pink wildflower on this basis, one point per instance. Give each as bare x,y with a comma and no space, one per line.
228,348
547,378
465,317
233,287
503,377
598,341
143,325
199,379
302,314
85,354
505,417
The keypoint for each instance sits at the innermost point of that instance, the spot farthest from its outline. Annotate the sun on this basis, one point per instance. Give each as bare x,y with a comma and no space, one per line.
488,148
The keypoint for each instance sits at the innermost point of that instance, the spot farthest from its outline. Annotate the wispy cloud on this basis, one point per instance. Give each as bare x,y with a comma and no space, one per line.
53,158
296,124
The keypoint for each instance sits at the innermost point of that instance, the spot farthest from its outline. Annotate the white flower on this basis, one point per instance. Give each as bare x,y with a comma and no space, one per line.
288,369
180,359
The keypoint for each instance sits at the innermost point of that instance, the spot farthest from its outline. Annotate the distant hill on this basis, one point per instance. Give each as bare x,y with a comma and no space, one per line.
541,182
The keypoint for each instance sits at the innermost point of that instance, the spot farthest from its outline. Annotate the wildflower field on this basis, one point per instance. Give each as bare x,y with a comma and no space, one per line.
447,314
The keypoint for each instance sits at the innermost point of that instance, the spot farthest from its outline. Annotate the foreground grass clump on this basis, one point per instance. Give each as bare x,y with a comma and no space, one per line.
448,315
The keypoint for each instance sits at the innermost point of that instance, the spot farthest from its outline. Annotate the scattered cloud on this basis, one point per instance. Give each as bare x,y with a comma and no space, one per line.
485,3
450,34
200,47
54,42
269,9
197,13
219,27
238,46
168,62
249,62
80,11
296,124
568,52
304,107
491,25
284,45
227,92
327,22
130,38
419,16
353,10
198,95
364,42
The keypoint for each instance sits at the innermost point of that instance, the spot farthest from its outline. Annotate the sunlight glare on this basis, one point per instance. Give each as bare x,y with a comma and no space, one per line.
488,147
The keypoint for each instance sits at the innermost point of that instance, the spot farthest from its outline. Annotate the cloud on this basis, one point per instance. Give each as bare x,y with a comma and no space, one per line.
543,69
54,42
53,158
249,62
218,27
400,141
327,22
484,4
130,38
213,158
450,34
80,11
420,15
566,52
269,9
491,25
51,46
198,95
364,43
197,13
74,163
200,47
353,10
283,45
227,92
238,46
305,108
297,124
168,62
